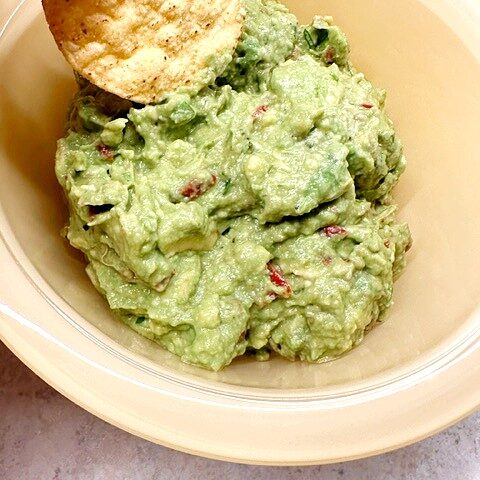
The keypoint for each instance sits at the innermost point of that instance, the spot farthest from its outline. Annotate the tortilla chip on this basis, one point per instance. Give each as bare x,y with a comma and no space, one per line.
143,49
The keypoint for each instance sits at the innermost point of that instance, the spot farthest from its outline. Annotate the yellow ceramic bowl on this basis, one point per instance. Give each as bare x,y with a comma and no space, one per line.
412,376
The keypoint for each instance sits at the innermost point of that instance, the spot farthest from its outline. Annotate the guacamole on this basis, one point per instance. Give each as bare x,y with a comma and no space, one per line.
252,217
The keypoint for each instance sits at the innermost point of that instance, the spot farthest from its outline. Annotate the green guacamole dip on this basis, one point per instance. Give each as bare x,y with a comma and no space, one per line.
252,217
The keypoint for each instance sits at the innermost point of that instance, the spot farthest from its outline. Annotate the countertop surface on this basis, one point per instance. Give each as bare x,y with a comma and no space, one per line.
44,436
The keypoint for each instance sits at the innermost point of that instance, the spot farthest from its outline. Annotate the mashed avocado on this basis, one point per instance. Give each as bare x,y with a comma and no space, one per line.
252,217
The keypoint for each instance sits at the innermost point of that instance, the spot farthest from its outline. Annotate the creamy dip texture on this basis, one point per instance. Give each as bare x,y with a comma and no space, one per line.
252,217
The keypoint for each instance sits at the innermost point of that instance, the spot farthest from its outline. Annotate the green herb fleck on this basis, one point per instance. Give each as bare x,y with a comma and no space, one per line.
308,39
315,37
228,186
140,320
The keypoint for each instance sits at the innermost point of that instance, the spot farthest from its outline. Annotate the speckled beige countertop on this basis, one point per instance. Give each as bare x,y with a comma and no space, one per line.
44,436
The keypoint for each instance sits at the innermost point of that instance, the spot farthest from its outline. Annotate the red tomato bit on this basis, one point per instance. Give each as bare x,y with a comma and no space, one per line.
195,188
327,261
334,230
105,151
260,111
278,279
368,106
329,54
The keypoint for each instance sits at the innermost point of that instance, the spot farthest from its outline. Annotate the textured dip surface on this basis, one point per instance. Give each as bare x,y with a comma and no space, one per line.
250,218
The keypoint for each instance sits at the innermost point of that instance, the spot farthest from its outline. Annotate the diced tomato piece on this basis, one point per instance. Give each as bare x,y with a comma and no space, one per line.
277,278
260,111
327,261
329,54
105,151
334,230
195,188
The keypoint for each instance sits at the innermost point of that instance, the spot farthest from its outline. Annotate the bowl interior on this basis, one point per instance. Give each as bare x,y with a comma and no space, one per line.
432,82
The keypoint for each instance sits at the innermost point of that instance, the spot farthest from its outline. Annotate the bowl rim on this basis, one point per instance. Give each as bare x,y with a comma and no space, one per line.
29,340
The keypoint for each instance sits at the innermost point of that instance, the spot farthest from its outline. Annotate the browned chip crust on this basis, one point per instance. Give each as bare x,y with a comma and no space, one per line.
143,49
